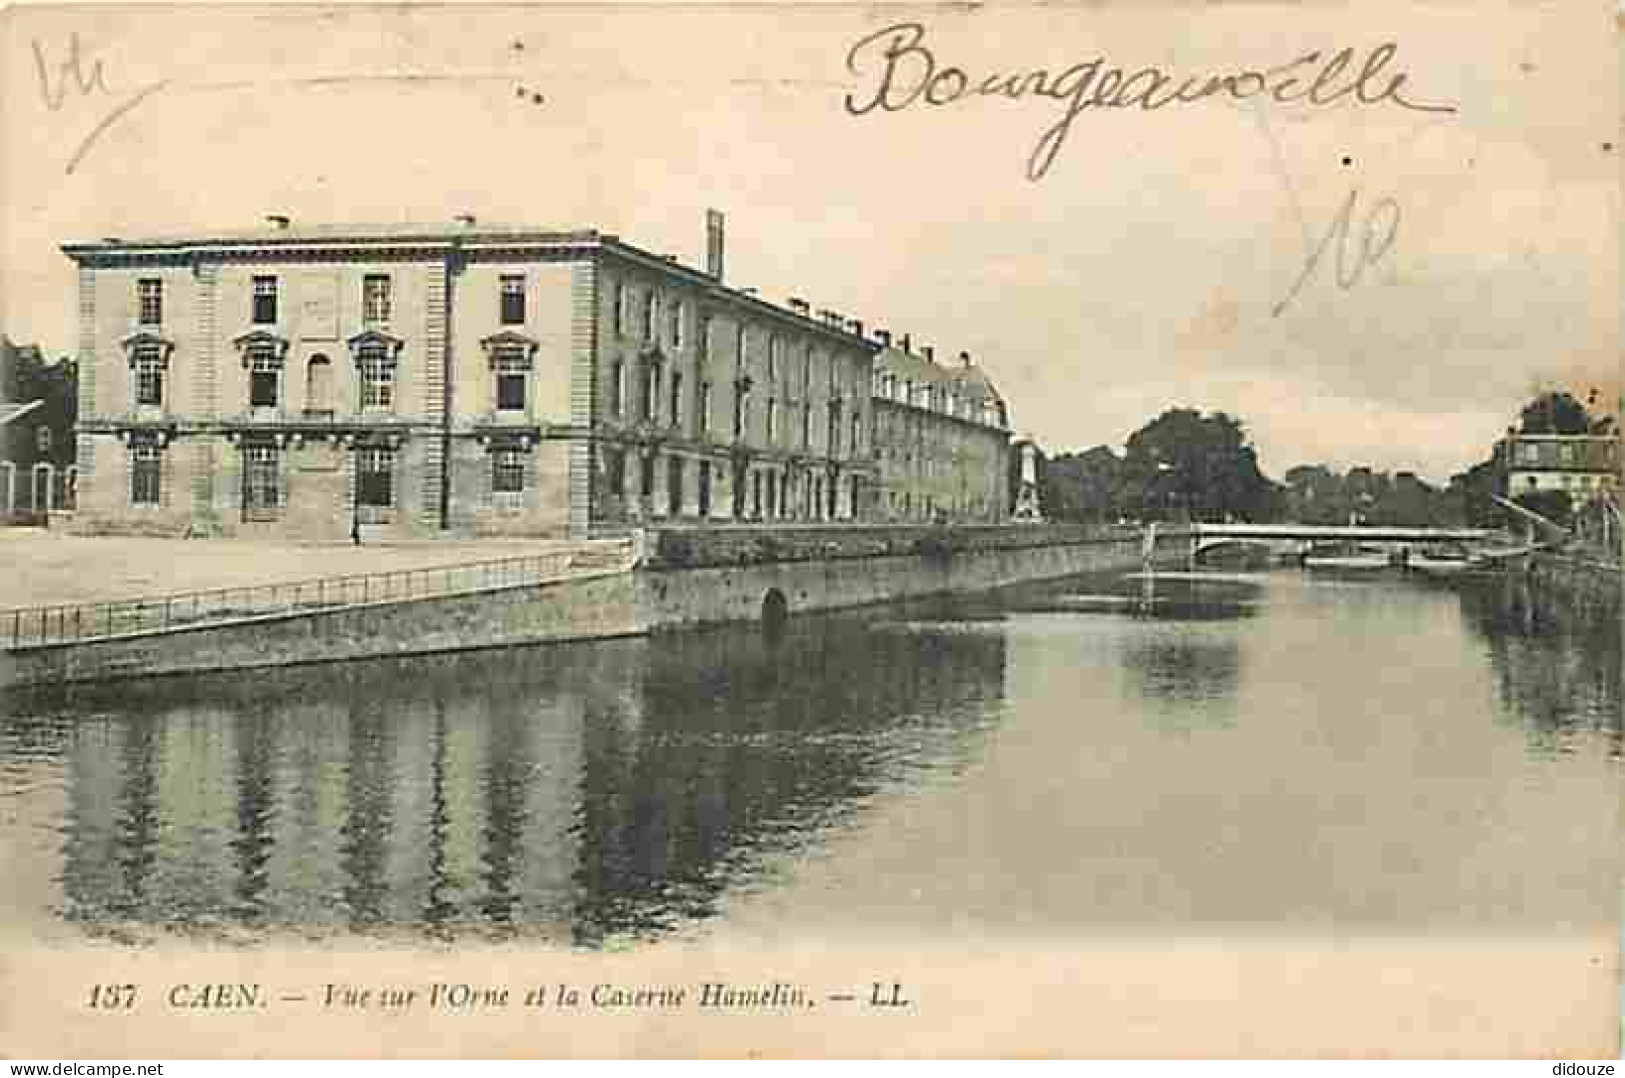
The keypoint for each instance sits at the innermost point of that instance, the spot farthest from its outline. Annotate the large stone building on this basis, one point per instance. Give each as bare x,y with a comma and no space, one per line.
461,379
942,438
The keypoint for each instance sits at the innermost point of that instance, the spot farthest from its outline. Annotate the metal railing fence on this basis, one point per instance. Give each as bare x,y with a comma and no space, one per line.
66,623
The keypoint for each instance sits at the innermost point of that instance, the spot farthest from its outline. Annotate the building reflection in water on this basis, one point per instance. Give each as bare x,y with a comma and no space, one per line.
569,793
1556,670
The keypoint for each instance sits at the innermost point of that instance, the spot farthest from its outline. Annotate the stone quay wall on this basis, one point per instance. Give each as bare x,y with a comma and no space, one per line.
696,577
583,608
686,578
710,547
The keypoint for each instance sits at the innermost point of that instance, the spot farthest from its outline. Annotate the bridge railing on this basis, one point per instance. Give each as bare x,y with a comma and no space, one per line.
67,623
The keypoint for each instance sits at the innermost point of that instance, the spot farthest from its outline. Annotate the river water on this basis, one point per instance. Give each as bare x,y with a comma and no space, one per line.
1098,757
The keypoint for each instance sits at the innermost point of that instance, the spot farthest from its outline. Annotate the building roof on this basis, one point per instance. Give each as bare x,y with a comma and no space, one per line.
299,233
1592,436
963,374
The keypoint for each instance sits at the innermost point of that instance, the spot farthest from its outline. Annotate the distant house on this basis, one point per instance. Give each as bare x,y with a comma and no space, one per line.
1579,465
38,403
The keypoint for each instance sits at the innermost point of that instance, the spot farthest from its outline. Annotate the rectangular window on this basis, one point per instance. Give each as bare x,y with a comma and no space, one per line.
375,478
617,388
264,301
375,298
772,357
741,344
674,327
149,376
772,421
704,408
646,474
507,471
705,337
149,292
674,485
511,367
651,392
146,473
513,300
677,398
510,391
741,411
651,305
264,377
377,368
262,482
705,488
622,300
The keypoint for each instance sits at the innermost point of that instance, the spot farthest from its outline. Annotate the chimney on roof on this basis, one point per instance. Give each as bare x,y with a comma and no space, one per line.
883,336
929,352
799,305
714,226
907,346
278,220
465,219
856,326
964,359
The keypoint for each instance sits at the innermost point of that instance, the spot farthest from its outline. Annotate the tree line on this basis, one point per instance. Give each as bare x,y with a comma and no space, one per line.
1190,464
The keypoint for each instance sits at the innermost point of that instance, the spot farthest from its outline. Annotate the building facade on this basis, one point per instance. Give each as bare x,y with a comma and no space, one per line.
1579,465
464,379
942,439
37,413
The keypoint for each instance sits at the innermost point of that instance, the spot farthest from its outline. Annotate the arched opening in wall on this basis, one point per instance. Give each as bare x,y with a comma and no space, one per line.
319,386
775,610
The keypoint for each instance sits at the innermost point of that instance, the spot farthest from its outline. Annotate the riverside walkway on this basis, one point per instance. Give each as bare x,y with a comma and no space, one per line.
90,580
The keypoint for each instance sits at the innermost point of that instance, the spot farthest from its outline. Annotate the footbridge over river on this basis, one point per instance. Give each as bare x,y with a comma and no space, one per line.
1277,537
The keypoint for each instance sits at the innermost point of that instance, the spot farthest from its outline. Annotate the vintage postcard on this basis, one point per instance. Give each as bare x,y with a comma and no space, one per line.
810,530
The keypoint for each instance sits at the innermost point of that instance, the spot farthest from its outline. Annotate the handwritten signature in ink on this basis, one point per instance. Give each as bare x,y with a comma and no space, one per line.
69,75
76,76
909,74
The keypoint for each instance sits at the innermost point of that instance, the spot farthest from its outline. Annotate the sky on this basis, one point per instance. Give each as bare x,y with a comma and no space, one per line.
1146,269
